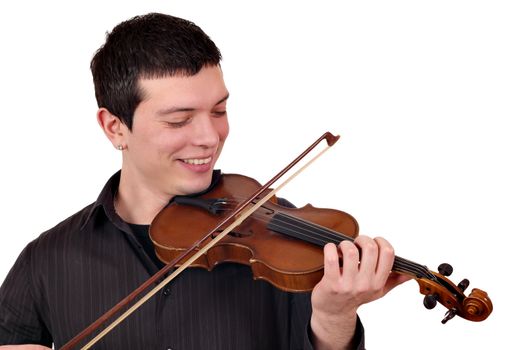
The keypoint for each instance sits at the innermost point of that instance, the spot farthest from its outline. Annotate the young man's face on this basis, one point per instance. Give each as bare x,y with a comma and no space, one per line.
178,132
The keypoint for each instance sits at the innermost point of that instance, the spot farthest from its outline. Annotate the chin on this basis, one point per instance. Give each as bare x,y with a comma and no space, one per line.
196,186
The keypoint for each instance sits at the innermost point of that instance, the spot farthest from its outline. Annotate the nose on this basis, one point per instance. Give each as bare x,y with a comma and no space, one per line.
206,131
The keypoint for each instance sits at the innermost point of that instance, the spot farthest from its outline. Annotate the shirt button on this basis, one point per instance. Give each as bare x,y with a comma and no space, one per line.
166,292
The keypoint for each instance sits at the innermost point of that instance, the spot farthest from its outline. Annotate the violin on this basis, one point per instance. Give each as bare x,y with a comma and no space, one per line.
283,245
240,221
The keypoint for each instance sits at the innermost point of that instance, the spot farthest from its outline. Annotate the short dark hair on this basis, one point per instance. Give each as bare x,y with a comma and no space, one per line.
154,45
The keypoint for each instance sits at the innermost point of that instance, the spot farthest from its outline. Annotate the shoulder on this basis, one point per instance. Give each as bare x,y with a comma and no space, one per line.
64,231
73,223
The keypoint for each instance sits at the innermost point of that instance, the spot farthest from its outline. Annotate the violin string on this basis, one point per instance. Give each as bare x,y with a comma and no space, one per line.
319,235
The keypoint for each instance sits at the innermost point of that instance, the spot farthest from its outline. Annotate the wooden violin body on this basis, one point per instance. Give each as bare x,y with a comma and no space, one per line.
274,254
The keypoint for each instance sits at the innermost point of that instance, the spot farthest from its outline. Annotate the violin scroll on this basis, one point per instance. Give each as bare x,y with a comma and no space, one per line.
438,288
478,305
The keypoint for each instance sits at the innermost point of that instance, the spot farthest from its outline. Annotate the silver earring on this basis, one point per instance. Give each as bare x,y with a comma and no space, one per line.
120,148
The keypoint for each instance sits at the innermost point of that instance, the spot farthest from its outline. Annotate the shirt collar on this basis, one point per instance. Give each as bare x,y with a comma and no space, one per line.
105,201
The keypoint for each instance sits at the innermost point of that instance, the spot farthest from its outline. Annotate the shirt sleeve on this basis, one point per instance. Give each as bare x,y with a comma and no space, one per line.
301,332
359,337
20,321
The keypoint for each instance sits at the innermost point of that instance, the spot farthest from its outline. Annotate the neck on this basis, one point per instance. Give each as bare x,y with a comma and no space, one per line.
136,203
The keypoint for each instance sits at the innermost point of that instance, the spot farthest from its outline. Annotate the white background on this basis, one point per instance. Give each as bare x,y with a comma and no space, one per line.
428,98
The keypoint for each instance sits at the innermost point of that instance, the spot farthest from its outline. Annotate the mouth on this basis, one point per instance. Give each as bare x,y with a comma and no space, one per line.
197,161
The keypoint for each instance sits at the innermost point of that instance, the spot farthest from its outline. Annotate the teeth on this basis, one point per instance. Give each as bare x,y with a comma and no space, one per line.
197,161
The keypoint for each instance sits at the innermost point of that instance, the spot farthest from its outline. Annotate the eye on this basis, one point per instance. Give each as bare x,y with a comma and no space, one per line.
219,113
178,124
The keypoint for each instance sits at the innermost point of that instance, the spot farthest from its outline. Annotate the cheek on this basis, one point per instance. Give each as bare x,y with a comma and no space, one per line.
223,129
173,143
167,142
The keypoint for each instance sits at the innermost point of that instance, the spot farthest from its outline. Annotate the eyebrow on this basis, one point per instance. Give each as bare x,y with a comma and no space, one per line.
174,109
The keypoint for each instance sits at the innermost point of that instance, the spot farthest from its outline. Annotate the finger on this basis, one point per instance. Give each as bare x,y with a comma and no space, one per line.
385,258
350,255
369,252
331,263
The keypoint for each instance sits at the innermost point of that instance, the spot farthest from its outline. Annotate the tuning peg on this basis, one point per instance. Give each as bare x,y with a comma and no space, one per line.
463,284
449,315
445,269
430,301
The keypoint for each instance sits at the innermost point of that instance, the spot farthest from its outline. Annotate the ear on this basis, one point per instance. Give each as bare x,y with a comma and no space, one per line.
116,131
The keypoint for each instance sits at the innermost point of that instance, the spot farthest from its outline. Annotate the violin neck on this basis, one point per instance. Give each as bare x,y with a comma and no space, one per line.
320,236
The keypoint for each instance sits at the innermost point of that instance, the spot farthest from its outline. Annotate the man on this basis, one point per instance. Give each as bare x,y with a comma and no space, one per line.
162,103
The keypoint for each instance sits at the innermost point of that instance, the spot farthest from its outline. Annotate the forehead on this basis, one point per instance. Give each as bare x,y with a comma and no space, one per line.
203,88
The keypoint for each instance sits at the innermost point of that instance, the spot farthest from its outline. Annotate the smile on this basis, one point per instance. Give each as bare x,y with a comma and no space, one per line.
195,161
